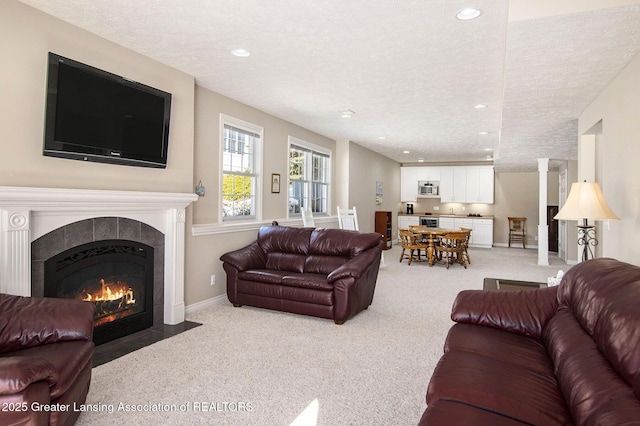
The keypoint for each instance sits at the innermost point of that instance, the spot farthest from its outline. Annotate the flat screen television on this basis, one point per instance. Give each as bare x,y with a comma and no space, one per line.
94,115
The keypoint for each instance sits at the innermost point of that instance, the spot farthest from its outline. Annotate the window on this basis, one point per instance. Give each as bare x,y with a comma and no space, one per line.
309,178
240,174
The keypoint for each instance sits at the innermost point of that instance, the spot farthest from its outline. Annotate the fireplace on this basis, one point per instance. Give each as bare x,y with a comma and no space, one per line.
33,228
116,276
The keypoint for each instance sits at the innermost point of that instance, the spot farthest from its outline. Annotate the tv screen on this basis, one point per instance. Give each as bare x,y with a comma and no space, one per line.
94,115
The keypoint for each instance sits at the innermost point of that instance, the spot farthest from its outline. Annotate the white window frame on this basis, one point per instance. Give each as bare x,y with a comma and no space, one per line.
257,164
320,150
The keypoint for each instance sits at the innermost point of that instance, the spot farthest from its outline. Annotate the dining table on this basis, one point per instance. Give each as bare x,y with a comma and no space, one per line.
431,234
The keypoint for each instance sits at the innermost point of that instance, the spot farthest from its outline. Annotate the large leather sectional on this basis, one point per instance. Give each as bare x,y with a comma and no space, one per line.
564,355
46,353
326,273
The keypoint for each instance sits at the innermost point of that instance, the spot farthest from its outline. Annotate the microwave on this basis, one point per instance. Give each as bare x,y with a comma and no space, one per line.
426,189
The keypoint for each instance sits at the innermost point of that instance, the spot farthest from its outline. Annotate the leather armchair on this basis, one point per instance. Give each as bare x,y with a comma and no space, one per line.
46,353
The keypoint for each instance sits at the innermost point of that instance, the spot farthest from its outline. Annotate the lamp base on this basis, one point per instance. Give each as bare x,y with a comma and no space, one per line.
587,239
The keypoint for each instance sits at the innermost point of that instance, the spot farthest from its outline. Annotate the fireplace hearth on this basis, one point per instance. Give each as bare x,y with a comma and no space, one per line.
116,276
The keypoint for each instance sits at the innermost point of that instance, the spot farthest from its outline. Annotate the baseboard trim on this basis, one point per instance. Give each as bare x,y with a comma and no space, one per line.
199,306
506,245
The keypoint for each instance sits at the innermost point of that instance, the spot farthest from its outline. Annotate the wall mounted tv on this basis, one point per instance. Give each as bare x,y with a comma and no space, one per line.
93,115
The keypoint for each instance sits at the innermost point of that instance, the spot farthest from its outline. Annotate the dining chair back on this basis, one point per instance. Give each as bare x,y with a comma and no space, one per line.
467,232
517,230
348,219
451,247
411,243
307,219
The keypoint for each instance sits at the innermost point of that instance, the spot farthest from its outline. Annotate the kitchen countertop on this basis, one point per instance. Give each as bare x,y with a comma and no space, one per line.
461,216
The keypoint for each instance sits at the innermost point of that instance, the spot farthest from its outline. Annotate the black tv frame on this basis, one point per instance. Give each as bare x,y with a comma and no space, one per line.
93,152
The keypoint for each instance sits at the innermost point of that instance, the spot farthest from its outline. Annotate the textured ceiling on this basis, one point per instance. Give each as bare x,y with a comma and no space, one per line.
411,71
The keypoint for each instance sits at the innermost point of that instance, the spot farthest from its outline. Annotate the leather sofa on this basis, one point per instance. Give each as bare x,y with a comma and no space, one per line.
563,355
46,354
326,273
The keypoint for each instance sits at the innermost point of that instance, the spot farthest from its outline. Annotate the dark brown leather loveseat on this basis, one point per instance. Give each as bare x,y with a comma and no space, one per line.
326,273
46,355
564,355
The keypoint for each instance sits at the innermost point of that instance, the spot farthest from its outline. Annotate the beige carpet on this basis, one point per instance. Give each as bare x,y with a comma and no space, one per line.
249,366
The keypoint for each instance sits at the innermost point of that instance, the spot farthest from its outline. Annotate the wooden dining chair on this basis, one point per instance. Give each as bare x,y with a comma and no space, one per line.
467,231
517,230
411,243
451,247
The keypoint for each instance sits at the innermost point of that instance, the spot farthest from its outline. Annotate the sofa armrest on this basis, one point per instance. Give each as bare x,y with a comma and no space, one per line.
17,373
249,257
523,311
31,321
355,267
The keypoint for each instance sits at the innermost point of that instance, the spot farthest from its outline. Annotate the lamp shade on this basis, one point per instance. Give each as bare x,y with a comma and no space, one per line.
586,201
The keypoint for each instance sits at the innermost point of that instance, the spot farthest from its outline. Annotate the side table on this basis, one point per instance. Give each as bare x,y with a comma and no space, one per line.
506,284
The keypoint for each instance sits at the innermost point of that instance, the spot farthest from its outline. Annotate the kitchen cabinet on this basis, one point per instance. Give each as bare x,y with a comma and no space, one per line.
408,184
482,233
481,229
430,174
453,184
479,182
405,221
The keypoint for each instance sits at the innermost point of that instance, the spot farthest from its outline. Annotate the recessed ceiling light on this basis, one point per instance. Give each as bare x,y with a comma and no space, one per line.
420,160
467,14
347,113
382,137
241,53
488,149
480,106
483,133
406,152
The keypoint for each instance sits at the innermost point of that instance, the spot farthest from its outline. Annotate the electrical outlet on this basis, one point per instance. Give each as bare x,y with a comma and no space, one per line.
464,208
436,208
213,279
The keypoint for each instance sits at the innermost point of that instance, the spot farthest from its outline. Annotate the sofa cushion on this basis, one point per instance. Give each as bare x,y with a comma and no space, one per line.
439,413
510,348
284,239
340,242
262,275
33,321
292,262
604,296
314,281
509,389
320,264
592,388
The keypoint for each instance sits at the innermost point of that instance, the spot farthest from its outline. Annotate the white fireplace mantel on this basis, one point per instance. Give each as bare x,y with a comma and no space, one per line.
27,213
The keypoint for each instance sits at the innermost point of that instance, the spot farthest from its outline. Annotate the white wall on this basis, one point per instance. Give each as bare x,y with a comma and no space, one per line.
27,35
618,151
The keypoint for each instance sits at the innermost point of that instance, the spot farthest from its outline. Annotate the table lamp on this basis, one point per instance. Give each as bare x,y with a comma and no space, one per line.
586,202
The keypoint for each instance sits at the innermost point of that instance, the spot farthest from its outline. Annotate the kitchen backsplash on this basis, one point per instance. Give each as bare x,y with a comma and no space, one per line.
426,205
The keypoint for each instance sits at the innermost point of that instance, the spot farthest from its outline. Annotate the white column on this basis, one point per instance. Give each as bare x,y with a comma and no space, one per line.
543,228
15,252
174,267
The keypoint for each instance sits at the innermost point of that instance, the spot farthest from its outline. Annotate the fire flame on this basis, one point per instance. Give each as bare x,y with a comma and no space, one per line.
120,290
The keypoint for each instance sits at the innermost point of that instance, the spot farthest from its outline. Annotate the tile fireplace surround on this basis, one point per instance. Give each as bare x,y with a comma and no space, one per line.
29,213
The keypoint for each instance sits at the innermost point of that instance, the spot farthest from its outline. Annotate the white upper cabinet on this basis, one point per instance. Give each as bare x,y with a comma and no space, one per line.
408,184
431,174
480,183
453,184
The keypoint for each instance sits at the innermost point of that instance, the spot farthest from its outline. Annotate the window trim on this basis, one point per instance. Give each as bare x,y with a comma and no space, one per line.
258,159
320,150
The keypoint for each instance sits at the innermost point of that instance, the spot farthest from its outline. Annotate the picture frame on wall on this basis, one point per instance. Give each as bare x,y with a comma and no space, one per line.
275,183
